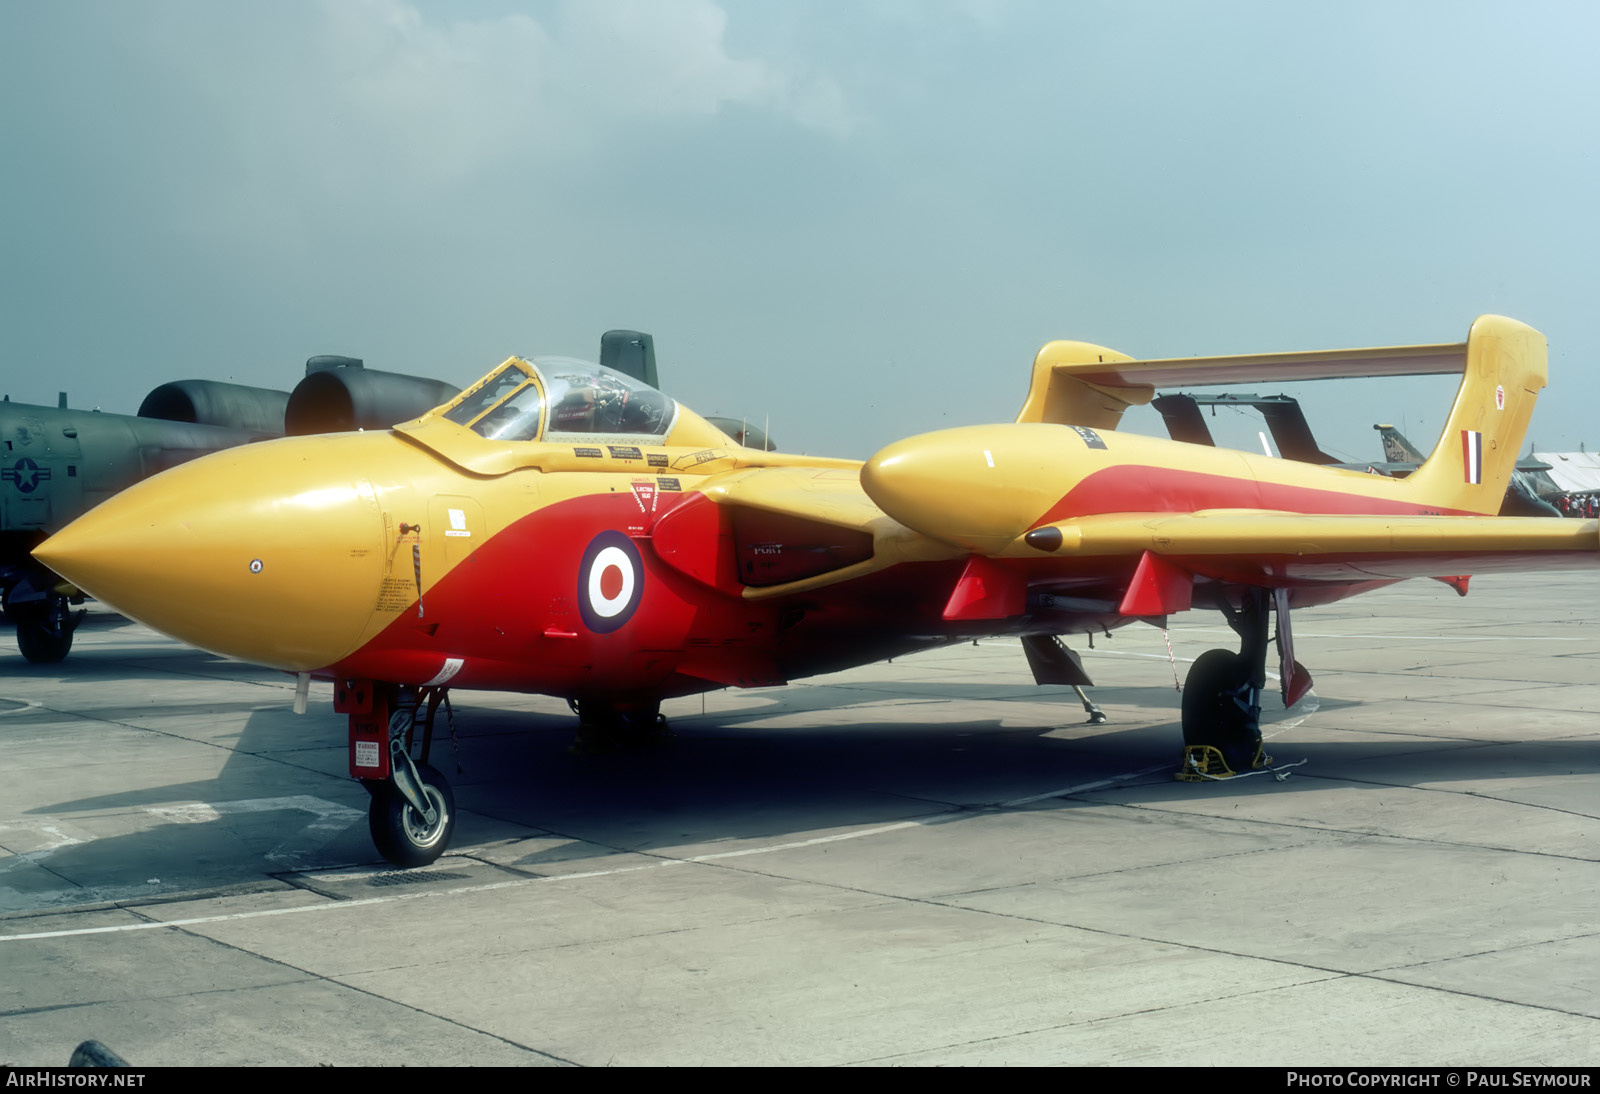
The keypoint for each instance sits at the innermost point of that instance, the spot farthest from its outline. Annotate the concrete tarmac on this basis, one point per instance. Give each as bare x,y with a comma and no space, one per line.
932,861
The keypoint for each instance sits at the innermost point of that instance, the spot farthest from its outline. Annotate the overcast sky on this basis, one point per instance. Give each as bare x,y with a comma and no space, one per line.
860,219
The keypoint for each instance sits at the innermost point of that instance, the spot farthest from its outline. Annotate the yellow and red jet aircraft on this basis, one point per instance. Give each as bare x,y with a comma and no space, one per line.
563,529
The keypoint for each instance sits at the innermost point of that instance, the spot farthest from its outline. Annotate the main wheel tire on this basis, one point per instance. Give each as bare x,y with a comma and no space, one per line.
1212,712
401,834
37,640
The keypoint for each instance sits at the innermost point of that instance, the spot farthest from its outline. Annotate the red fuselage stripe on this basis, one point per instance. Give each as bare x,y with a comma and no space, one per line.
1134,489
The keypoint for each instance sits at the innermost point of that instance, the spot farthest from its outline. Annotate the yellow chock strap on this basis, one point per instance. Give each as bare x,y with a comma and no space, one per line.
1203,763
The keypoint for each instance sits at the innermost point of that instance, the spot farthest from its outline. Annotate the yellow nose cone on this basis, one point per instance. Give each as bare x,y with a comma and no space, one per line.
978,487
264,552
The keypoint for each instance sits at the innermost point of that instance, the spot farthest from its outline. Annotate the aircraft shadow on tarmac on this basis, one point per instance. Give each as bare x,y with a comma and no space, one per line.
783,763
281,801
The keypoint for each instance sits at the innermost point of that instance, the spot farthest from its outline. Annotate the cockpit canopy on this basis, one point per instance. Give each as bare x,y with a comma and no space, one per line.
565,400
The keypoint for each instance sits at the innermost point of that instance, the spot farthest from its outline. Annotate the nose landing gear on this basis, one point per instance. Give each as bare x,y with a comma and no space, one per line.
412,815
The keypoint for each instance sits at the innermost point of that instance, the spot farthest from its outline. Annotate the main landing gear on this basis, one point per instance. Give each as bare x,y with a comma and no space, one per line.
1222,713
44,630
1222,695
608,725
413,811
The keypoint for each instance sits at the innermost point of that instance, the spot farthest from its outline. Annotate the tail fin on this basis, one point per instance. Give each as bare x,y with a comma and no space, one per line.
1396,449
1055,395
1472,463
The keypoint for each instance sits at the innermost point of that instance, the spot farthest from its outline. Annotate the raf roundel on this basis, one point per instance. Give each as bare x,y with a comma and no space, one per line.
610,581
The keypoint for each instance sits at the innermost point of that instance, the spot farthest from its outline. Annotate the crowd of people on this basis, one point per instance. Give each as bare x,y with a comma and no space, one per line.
1578,505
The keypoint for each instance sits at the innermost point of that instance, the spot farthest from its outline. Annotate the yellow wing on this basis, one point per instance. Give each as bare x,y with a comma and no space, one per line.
1274,548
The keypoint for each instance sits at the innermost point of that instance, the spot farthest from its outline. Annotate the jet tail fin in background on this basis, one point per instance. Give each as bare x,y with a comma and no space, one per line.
1396,449
630,352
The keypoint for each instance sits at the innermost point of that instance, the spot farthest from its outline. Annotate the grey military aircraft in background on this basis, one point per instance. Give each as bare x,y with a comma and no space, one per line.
1292,434
634,353
57,463
1524,498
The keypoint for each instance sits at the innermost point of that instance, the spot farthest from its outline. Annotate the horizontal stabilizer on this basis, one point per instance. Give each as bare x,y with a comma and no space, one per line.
1330,364
1077,383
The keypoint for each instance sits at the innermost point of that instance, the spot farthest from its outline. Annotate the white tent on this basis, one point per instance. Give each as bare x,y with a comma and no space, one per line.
1573,471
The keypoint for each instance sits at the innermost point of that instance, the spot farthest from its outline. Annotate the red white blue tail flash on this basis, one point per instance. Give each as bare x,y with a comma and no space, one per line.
1472,455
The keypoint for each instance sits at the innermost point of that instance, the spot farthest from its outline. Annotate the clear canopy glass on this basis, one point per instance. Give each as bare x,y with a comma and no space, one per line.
564,399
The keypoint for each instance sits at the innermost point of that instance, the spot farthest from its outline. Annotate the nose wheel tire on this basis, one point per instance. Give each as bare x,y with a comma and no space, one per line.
405,836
